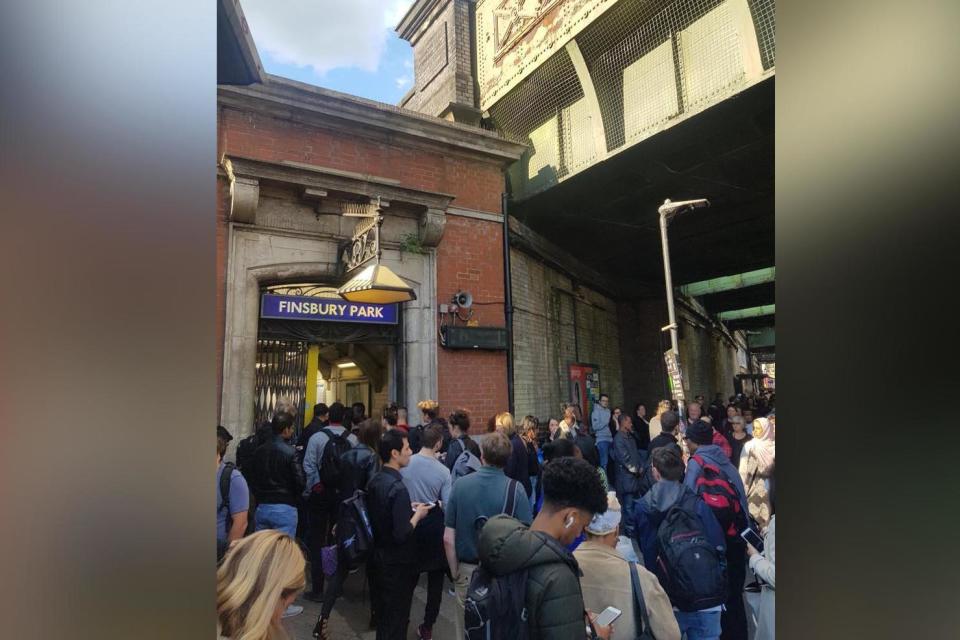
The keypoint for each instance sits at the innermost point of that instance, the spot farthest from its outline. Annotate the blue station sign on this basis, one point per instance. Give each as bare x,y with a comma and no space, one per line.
274,305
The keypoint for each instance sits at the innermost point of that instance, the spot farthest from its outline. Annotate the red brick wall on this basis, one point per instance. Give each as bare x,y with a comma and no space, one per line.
476,185
470,255
470,258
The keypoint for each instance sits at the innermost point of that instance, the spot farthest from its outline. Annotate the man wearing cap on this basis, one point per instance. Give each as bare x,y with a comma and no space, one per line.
699,439
606,580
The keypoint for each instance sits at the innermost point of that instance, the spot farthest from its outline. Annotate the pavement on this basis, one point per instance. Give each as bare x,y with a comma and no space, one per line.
351,613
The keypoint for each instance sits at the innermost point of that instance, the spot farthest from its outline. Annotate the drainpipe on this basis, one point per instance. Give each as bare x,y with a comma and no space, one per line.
507,299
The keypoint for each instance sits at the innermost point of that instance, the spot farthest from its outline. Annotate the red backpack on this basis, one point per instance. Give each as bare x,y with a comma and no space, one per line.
722,497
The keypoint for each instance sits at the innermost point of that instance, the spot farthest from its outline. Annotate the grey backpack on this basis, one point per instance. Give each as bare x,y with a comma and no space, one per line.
466,464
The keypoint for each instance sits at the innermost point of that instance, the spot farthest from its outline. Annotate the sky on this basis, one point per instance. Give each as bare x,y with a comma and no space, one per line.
345,45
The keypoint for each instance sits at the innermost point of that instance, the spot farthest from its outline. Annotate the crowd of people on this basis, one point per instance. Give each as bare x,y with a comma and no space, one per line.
621,527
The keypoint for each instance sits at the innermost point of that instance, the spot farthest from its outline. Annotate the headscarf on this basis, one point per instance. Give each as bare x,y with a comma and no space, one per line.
763,446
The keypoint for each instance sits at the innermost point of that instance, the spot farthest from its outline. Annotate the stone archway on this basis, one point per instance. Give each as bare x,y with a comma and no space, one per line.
260,256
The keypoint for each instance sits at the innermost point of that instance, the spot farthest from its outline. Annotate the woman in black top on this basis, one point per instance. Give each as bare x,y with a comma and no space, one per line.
641,426
737,437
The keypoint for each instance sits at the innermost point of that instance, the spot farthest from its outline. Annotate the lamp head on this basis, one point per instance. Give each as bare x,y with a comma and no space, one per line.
669,208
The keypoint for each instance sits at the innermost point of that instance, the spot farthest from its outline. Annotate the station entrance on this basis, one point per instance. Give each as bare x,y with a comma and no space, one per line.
313,346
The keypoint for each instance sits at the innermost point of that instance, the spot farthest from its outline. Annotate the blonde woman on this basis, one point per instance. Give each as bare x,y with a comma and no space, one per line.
261,575
756,467
516,467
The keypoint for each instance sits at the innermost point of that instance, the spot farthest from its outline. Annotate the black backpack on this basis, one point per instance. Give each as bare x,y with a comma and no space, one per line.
330,464
495,606
354,531
691,570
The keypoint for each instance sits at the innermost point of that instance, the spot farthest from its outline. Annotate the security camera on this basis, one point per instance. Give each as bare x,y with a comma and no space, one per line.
463,299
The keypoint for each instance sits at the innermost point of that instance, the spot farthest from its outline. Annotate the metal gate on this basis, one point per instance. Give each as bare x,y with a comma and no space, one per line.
281,373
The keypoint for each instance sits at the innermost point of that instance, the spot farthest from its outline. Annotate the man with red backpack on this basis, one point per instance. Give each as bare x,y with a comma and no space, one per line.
711,475
683,544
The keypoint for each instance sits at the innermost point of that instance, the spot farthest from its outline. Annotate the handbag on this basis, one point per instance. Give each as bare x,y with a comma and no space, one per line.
328,559
640,606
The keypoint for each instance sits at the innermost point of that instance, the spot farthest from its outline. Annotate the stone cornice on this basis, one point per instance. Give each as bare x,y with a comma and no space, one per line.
411,25
245,174
291,100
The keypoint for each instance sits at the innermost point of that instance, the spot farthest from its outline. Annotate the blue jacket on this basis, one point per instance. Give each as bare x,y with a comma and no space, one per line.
715,455
650,511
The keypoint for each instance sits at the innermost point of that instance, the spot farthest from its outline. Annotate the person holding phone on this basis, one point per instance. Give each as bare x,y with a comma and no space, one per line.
763,564
428,482
389,504
572,495
607,583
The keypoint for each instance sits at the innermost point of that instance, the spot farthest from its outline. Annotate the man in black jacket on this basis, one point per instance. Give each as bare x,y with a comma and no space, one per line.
629,479
668,437
394,517
321,413
278,479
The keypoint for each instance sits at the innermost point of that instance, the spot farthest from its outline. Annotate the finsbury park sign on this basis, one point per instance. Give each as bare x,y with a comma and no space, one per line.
325,309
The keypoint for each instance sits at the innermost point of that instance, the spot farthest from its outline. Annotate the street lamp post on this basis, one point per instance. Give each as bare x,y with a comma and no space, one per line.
667,211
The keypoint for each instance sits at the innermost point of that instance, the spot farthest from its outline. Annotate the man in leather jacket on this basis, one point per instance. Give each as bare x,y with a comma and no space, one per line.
278,479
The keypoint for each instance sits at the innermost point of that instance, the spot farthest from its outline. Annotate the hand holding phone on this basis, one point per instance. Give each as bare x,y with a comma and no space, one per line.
607,616
753,538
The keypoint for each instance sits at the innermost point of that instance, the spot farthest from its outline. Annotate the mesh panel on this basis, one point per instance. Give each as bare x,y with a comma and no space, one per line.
536,112
651,61
764,14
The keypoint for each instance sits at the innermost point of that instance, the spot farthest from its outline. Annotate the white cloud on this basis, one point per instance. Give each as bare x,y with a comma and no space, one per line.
324,34
403,82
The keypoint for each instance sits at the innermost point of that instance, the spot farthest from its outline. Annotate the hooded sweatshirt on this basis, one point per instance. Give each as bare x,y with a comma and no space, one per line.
713,454
554,600
652,509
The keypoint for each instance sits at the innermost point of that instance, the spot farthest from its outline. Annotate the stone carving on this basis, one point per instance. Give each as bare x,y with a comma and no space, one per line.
431,227
513,18
514,37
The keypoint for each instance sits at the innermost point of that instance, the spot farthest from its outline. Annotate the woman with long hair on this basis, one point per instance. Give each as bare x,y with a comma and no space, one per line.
261,575
516,467
756,467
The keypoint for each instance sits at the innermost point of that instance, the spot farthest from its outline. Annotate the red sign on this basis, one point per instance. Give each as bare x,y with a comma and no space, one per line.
584,387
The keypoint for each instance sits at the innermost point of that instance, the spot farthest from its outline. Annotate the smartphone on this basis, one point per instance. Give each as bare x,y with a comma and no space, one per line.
753,538
606,618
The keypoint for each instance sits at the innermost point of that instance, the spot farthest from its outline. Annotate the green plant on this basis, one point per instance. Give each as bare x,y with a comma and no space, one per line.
410,242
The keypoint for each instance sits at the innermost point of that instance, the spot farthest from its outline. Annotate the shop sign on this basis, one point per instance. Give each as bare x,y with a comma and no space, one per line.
325,309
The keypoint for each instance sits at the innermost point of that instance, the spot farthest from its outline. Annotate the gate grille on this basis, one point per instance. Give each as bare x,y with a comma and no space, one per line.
281,372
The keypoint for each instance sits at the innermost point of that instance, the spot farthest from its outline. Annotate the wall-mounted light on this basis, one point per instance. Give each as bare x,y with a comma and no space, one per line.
347,364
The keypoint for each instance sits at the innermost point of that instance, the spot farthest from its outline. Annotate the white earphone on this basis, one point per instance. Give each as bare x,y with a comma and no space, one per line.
568,522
